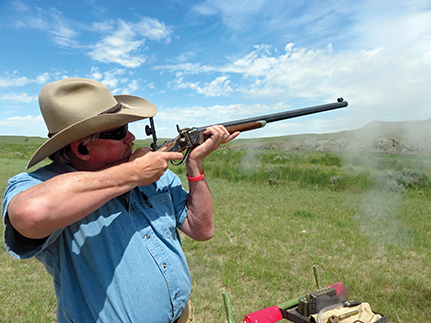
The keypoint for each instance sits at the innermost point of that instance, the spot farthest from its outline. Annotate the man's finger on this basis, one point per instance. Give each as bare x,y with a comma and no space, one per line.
174,156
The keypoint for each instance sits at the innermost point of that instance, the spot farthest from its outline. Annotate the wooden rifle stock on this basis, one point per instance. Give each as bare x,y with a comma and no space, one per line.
246,126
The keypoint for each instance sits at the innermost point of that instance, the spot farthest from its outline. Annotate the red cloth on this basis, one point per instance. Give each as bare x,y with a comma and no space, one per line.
267,315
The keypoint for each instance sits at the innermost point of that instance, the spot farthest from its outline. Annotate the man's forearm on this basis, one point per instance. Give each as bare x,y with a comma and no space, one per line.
63,200
199,223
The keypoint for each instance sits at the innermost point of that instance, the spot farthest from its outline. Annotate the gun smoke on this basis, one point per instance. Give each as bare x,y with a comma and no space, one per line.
380,212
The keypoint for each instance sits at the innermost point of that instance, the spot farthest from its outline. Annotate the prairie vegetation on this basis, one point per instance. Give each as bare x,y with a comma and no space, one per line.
364,219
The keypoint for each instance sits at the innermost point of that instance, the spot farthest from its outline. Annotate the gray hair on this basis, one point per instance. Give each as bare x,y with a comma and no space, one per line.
62,157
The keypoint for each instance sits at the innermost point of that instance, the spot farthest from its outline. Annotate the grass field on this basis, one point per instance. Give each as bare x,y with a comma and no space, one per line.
365,220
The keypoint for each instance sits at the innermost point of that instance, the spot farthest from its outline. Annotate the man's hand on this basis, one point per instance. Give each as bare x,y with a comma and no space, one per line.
216,135
149,165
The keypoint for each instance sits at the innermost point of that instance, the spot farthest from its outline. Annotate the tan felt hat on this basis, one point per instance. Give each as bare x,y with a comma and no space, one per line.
75,108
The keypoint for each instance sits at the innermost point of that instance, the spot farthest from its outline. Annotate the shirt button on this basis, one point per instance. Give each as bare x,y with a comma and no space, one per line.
130,209
164,265
175,296
147,236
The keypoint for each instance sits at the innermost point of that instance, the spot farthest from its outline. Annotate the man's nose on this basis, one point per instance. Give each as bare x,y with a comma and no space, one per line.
129,137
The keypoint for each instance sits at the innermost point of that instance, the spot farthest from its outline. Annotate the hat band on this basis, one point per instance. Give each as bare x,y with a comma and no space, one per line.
115,109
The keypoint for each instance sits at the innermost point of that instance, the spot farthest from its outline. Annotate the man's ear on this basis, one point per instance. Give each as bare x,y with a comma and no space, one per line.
83,150
80,150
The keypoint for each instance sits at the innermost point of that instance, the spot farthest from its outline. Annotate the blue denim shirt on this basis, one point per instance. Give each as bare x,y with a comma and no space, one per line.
121,263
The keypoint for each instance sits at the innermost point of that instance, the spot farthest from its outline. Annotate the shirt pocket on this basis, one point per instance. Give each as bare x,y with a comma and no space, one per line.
160,212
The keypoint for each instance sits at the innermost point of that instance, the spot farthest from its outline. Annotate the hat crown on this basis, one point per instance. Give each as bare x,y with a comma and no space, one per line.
69,101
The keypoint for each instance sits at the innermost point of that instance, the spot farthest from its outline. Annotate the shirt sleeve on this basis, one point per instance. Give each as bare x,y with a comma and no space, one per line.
16,244
179,197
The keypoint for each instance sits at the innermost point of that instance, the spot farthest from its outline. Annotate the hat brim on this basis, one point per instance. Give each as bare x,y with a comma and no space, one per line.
135,109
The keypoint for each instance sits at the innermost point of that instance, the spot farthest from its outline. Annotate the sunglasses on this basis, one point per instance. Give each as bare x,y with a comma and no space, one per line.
116,134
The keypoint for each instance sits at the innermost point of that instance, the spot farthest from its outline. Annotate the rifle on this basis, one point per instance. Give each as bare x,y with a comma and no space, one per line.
189,138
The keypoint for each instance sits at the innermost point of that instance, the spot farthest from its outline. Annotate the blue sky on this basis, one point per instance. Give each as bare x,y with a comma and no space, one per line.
209,61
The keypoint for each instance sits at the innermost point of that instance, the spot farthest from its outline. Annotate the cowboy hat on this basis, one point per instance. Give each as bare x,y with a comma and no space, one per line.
75,108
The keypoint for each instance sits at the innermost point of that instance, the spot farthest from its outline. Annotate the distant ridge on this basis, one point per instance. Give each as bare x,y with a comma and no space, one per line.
404,137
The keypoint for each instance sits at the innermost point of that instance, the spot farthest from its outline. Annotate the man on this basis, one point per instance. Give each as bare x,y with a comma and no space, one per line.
103,219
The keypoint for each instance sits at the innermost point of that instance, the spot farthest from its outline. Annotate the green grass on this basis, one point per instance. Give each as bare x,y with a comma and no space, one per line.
269,237
26,290
277,214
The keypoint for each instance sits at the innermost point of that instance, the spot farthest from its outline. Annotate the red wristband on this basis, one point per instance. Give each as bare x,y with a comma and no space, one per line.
197,178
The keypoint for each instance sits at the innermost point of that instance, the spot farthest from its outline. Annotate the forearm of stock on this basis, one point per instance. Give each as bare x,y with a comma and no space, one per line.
246,126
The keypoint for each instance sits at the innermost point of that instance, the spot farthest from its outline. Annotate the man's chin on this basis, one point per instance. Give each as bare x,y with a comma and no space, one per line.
129,151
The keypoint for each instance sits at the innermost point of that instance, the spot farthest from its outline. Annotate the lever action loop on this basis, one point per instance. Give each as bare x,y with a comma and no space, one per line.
184,158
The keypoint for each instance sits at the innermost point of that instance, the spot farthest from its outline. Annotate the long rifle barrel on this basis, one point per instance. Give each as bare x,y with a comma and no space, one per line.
280,116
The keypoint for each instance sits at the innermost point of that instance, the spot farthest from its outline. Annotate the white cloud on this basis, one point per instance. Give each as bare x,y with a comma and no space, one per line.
14,97
268,73
50,21
8,81
15,80
125,41
205,8
114,79
178,84
28,125
95,74
403,26
117,48
25,118
218,87
63,35
235,14
128,87
42,78
131,87
153,29
186,68
104,26
122,42
300,72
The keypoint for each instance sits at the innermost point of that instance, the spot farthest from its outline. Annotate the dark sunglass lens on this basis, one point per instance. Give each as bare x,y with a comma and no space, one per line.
116,134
